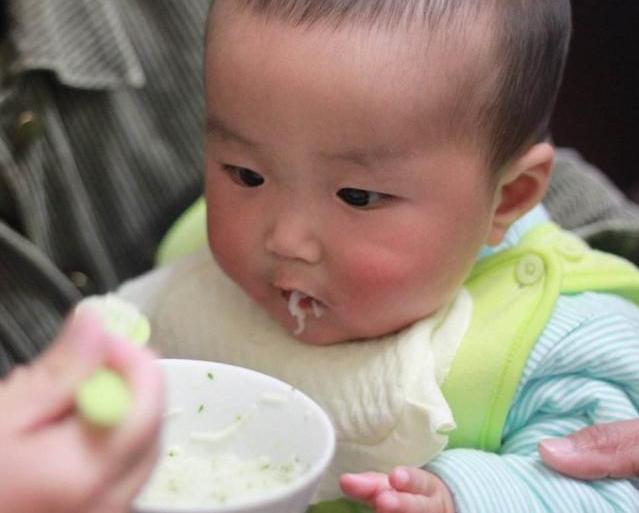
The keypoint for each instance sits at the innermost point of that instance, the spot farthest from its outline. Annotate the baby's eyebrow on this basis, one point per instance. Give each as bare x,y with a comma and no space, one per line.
367,157
219,129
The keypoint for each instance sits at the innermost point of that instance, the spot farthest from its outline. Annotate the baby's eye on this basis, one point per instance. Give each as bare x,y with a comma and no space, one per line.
243,176
360,198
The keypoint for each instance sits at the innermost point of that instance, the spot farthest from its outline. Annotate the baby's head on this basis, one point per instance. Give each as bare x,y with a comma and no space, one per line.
360,152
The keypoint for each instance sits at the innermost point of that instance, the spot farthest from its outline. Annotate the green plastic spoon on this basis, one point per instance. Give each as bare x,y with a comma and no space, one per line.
104,399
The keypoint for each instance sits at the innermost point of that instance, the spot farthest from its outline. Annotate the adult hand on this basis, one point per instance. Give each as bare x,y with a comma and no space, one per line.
404,490
595,452
53,461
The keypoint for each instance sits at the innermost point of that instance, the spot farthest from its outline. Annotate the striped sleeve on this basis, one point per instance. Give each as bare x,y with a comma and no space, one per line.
583,370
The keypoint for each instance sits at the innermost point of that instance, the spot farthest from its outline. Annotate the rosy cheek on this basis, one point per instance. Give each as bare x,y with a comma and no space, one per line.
402,281
368,276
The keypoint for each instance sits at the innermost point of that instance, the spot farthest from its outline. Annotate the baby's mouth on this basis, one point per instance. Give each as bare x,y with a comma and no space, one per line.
298,306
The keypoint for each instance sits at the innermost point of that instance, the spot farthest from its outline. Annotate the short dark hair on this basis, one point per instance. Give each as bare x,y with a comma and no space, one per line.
531,37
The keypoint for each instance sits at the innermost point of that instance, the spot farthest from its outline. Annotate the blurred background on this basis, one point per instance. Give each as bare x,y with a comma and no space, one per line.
598,107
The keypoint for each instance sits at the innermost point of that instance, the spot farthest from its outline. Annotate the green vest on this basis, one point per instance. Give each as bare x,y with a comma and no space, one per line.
514,294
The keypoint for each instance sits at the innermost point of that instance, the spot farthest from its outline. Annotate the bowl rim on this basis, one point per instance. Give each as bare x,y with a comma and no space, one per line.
314,473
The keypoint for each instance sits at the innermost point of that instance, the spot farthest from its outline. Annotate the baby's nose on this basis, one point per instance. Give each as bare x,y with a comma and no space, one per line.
292,235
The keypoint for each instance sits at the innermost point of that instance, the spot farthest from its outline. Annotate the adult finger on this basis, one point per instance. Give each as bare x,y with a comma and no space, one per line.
71,470
107,466
139,430
364,486
119,496
44,391
595,452
80,472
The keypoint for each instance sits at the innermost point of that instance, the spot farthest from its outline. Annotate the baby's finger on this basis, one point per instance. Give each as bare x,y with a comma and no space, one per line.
45,390
365,486
413,480
396,502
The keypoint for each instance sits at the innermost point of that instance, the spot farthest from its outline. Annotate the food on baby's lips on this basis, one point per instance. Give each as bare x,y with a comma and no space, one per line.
298,303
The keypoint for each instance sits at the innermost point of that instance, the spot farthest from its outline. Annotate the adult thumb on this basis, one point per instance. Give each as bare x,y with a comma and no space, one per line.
603,450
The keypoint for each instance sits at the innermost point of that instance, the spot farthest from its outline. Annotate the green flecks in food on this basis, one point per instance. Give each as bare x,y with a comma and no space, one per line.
265,466
200,408
210,376
286,467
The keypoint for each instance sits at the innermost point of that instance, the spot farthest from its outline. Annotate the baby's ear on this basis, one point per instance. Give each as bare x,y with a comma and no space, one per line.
520,188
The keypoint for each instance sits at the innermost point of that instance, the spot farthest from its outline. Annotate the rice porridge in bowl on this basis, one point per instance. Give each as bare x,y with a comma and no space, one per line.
236,441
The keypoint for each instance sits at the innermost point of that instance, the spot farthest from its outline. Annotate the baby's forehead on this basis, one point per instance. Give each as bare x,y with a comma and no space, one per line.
447,63
453,41
498,63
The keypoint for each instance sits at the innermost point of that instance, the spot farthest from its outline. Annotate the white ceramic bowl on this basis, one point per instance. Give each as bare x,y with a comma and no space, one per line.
250,415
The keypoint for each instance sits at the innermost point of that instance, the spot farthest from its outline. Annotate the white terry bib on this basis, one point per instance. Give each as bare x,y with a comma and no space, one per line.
383,395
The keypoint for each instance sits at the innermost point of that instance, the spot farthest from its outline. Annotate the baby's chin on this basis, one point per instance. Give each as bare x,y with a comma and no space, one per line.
320,337
320,332
324,328
323,332
316,334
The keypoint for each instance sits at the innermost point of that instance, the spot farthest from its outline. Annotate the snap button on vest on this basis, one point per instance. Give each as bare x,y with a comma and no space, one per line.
530,269
571,248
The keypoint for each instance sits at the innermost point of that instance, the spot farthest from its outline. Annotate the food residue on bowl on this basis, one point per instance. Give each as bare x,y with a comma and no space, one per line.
189,480
186,476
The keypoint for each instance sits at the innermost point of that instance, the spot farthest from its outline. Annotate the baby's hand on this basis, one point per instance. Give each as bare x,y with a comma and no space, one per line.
404,490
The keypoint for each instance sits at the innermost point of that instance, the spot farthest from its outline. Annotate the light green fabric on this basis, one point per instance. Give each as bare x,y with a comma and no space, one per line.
514,294
339,506
186,235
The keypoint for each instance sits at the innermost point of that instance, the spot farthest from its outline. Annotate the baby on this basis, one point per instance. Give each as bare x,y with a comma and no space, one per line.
373,175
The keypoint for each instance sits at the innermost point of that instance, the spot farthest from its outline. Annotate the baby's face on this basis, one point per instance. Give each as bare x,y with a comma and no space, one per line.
325,176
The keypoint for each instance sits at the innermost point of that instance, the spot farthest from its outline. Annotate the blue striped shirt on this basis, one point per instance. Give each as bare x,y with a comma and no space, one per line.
583,370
